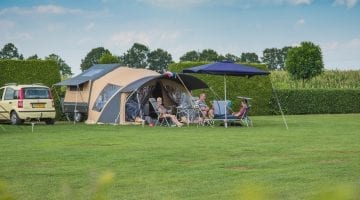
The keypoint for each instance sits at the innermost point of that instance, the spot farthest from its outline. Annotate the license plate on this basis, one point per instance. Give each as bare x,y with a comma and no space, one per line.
38,105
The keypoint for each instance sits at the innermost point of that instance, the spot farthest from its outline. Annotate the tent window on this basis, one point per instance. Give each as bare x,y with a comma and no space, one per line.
174,93
136,104
105,95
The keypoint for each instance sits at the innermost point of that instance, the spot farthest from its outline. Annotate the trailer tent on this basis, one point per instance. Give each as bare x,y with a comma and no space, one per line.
111,93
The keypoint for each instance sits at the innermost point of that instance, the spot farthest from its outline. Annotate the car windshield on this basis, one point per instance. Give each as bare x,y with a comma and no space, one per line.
36,93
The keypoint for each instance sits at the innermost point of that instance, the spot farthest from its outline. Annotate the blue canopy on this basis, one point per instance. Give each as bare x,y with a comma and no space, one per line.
226,68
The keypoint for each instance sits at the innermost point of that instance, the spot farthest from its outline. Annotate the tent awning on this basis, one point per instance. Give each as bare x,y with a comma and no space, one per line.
72,81
191,82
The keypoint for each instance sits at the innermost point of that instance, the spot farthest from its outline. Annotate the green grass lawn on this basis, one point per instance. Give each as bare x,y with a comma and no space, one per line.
64,161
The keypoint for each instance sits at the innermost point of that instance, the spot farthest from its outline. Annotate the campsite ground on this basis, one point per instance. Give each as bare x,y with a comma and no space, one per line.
317,153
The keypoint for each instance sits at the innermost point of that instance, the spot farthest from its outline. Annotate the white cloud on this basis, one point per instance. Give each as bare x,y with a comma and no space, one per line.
344,45
127,38
347,3
21,36
300,21
175,3
54,27
41,9
6,25
86,40
354,43
330,46
52,9
350,45
300,2
241,3
90,26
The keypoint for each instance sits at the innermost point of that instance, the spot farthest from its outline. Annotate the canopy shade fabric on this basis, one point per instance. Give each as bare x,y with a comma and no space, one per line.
191,82
226,68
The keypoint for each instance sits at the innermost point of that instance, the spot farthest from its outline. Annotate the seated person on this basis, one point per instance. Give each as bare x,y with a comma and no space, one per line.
244,106
163,112
205,110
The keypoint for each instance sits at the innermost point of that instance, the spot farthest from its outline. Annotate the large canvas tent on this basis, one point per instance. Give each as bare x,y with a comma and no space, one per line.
111,93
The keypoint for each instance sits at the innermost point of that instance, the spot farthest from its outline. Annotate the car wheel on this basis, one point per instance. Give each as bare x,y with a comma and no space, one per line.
14,118
78,117
50,121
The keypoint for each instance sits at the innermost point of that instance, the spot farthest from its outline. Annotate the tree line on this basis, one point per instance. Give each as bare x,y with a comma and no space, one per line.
140,56
302,62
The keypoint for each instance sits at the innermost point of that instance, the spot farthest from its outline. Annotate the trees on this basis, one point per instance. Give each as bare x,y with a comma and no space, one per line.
191,56
33,57
93,57
9,51
275,58
209,55
205,55
231,57
136,56
249,58
305,61
270,58
159,60
108,58
282,55
65,69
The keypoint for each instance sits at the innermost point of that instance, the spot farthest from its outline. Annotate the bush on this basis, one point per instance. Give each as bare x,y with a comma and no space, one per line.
328,79
317,101
45,72
257,87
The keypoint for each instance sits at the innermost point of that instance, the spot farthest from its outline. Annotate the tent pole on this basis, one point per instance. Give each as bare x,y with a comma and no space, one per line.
217,96
225,123
137,97
76,101
278,103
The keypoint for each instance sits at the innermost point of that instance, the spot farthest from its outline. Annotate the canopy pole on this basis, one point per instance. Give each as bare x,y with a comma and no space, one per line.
278,103
187,90
225,123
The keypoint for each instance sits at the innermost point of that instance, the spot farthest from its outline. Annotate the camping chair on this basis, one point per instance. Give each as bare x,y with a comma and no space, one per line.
245,117
206,120
219,112
190,110
163,121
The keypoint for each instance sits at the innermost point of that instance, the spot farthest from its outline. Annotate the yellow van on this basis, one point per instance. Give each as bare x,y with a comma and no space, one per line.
19,103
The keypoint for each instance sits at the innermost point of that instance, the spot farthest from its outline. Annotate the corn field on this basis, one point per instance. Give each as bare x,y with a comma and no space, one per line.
328,79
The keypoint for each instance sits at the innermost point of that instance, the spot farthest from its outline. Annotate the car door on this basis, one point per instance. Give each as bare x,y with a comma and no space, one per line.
3,112
7,102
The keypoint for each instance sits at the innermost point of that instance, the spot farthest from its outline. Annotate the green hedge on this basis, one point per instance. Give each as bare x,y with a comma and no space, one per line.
317,101
257,87
31,71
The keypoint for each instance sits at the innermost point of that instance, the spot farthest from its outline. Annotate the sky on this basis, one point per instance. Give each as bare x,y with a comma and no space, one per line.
71,28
